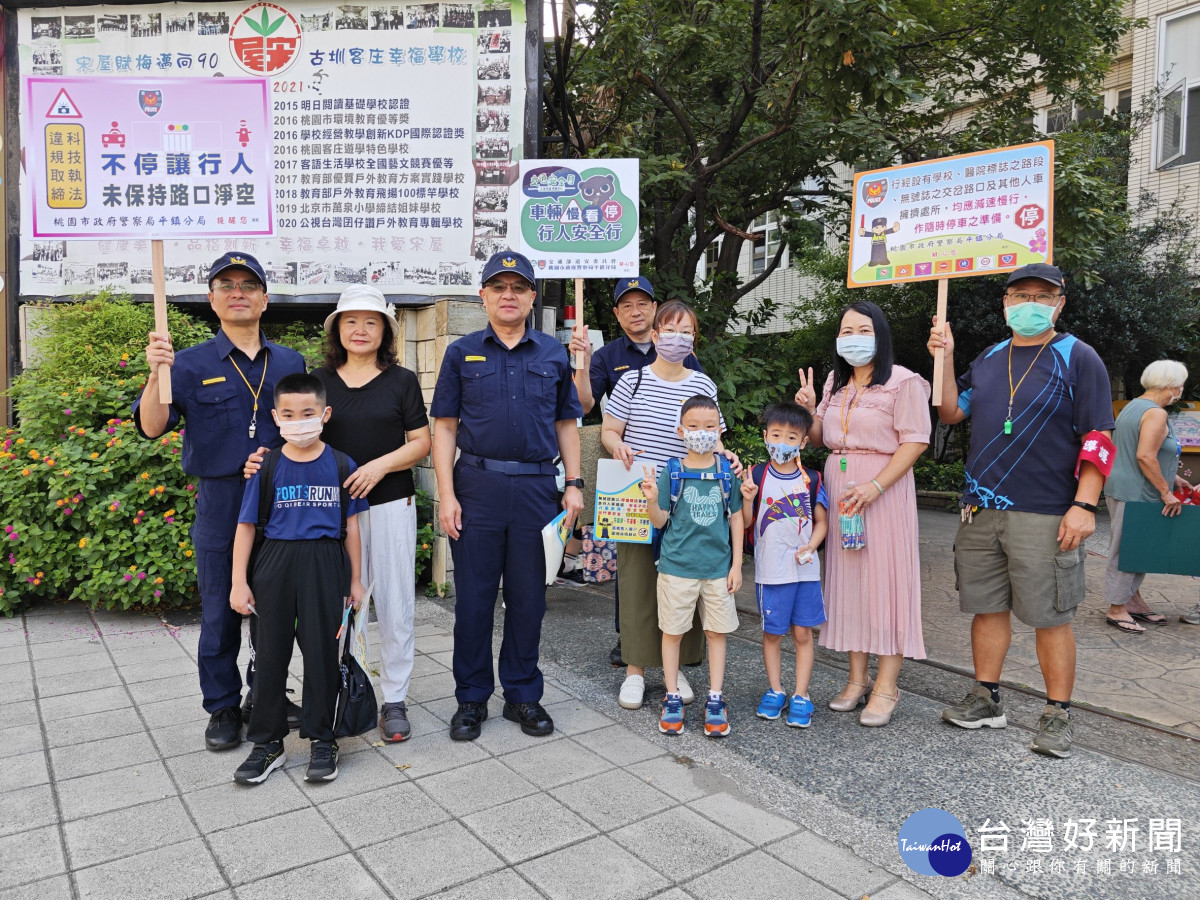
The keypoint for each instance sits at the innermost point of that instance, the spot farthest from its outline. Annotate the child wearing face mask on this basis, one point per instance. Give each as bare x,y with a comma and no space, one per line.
788,522
700,562
306,572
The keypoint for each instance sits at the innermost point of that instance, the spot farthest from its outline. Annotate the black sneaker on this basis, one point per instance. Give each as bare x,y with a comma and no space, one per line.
224,731
393,722
262,761
614,655
322,765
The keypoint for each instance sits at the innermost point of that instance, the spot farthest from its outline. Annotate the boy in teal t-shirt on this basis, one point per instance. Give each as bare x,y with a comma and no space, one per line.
701,559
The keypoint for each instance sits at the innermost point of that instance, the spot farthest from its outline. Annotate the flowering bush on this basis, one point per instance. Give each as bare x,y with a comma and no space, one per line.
88,508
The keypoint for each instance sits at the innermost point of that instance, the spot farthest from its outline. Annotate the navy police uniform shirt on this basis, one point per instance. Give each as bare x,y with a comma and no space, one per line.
307,504
216,405
617,357
506,400
1065,395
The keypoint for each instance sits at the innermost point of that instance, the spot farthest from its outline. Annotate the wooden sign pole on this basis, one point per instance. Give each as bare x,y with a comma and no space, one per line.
939,361
160,313
578,314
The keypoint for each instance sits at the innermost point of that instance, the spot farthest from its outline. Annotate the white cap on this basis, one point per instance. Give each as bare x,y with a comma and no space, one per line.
364,298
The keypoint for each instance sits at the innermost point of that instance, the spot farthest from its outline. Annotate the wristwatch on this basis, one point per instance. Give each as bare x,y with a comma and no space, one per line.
573,482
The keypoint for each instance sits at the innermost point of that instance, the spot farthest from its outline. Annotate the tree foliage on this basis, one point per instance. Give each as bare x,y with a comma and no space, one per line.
737,108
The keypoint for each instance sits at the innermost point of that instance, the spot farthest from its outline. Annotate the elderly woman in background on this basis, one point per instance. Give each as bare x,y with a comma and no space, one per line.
1145,471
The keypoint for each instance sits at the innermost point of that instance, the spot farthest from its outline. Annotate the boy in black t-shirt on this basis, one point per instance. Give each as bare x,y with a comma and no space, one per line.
305,573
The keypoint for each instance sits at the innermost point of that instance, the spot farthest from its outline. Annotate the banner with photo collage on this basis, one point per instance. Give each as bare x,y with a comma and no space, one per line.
397,129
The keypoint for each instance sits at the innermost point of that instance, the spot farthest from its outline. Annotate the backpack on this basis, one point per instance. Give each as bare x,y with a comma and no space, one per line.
266,497
759,475
678,476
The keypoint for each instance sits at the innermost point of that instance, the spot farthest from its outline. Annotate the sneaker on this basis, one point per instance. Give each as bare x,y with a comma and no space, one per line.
685,689
976,710
322,764
800,711
1054,733
293,711
771,705
1192,616
614,655
262,761
716,717
393,722
224,731
671,719
633,692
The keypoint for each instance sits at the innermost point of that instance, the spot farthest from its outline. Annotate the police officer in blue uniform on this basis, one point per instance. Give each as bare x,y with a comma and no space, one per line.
505,399
634,307
223,389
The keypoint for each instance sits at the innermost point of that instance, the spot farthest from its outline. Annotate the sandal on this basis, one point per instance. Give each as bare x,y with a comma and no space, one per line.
1150,618
1126,625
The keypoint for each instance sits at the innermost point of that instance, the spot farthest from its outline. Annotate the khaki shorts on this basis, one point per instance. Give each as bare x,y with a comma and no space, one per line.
678,598
1011,561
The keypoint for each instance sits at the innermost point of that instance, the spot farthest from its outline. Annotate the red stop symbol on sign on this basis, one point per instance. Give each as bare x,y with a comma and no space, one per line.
612,211
1029,216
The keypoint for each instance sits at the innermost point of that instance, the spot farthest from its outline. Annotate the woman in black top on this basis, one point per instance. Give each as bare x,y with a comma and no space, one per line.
378,419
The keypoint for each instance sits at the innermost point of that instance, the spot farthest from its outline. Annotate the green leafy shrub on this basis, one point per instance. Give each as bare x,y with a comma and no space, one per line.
92,511
939,476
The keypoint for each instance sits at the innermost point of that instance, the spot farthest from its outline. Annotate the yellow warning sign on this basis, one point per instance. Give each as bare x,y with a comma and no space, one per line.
66,175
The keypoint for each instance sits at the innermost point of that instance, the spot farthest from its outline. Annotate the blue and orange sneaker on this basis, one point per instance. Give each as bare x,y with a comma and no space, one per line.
800,711
716,717
671,720
771,705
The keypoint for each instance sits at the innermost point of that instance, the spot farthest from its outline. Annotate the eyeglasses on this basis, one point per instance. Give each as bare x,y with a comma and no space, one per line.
246,287
1034,298
684,332
519,288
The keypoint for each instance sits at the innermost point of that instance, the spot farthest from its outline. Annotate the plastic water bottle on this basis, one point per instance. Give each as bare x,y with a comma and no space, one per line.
854,535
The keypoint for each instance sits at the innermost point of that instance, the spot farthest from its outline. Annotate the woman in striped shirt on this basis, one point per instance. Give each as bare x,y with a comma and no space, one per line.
639,425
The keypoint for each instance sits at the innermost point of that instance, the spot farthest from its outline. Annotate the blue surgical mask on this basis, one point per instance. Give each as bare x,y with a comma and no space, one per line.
700,441
1028,319
857,349
783,453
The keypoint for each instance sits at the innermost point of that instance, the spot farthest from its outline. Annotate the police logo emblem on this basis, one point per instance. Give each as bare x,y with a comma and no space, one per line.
508,262
150,102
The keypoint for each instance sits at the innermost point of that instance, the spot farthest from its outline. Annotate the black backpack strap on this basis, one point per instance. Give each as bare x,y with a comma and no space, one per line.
637,384
343,472
266,492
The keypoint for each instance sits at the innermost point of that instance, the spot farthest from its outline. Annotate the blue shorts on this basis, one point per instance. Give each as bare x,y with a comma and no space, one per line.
784,605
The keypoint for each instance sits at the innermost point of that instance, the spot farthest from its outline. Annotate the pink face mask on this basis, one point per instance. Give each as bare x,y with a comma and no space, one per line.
301,432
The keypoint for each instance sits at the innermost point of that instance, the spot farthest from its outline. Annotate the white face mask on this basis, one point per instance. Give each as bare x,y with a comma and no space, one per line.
301,432
700,441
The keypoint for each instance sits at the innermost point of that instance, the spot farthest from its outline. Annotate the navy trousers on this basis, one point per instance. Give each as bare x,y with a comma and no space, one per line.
502,521
217,504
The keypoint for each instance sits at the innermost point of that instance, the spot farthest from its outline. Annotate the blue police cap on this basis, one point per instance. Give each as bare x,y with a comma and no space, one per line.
508,261
625,285
238,261
1044,271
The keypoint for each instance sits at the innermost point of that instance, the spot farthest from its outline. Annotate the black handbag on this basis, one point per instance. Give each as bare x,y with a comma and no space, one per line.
357,711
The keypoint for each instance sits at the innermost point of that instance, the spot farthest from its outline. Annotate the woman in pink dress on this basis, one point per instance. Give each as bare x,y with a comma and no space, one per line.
874,418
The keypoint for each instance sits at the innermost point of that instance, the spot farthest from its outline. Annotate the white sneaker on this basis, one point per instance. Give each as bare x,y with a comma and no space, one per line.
633,690
685,689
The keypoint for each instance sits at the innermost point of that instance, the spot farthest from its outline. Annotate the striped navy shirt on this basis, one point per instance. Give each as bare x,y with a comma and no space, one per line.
652,415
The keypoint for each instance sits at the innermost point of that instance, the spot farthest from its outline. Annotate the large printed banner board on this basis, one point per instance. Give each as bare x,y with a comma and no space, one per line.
149,158
578,218
975,214
395,133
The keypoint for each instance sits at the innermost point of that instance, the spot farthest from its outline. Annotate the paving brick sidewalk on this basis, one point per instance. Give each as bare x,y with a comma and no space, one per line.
104,793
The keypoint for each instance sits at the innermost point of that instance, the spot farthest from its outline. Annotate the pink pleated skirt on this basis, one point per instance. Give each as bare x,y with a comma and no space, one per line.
873,595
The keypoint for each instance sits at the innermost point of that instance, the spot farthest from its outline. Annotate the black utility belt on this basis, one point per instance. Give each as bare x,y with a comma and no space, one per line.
508,466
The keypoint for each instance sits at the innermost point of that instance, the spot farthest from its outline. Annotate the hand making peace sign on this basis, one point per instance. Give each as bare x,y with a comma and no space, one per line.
807,395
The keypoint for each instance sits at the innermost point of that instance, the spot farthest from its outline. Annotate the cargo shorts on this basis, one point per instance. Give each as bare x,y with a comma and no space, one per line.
1010,561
